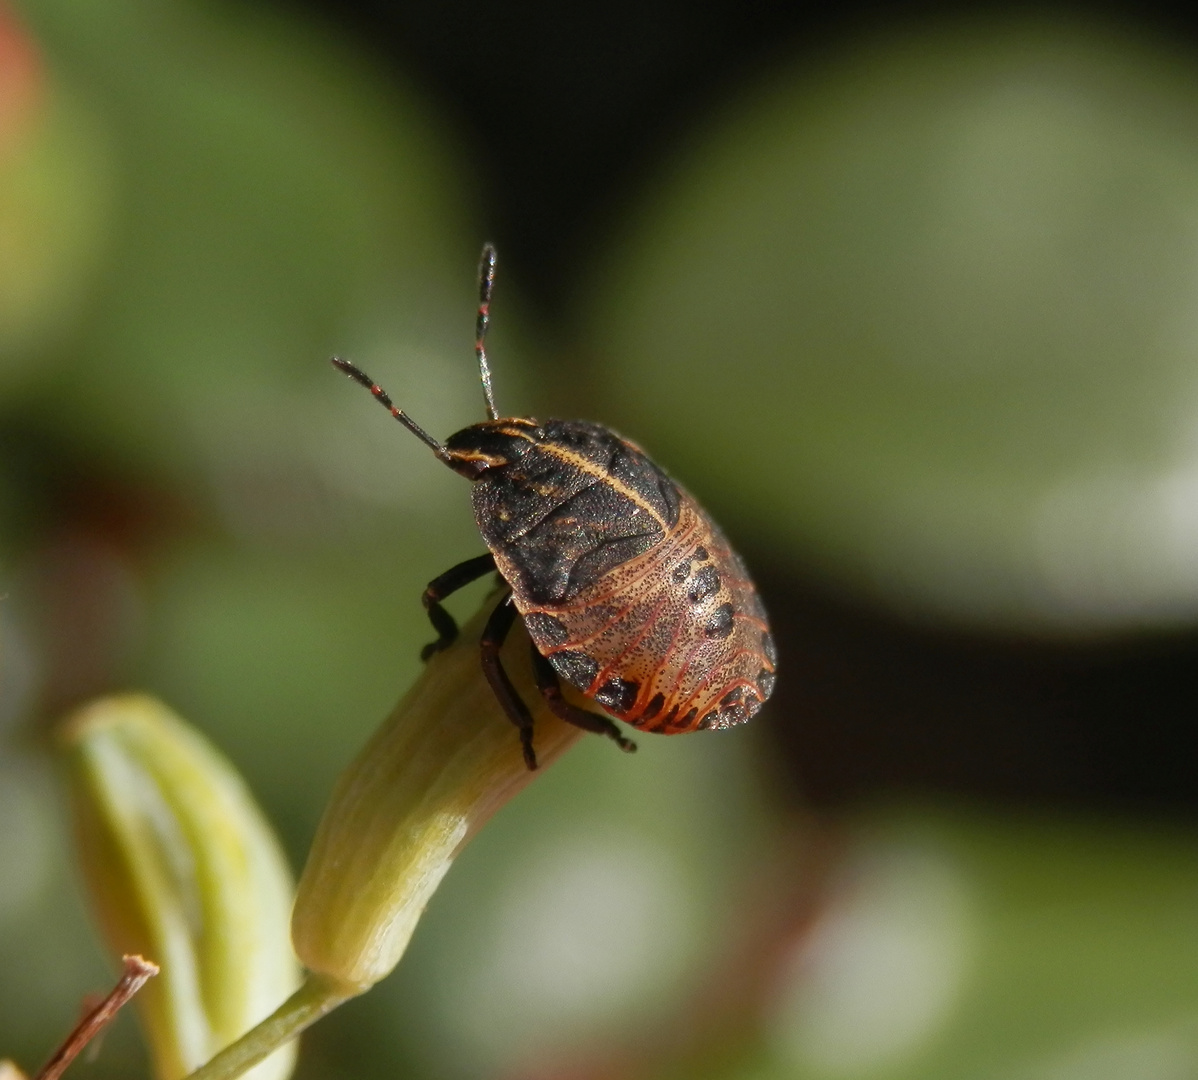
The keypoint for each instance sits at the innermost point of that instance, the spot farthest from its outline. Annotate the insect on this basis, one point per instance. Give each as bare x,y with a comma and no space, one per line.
629,591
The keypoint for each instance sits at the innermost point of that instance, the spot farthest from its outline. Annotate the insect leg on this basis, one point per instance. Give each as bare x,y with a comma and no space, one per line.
494,634
441,587
551,690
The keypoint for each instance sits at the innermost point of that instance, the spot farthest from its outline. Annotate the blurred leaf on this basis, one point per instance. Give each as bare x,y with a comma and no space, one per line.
962,945
923,316
182,868
277,199
55,204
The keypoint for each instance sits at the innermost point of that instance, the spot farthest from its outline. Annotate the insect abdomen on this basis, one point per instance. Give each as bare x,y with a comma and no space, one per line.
673,640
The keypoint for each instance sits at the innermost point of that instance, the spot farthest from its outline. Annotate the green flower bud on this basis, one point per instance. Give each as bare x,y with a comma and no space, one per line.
183,868
438,768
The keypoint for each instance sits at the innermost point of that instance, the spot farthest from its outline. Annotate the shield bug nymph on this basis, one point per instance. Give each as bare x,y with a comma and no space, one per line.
629,591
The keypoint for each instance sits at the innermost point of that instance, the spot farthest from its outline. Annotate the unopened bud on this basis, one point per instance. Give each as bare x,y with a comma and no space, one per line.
183,868
446,759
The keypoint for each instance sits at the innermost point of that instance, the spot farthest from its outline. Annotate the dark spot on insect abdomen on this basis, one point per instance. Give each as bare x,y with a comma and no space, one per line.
683,570
720,623
618,695
576,668
546,628
706,583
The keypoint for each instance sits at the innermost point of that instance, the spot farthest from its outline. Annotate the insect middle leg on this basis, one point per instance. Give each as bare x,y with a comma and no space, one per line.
444,585
493,637
551,689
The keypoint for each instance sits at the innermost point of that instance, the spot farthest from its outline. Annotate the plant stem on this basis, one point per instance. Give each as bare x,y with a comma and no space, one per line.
137,973
317,996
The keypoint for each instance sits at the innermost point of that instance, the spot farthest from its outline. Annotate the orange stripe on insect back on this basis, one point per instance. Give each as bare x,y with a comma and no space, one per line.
752,620
478,455
646,694
644,566
731,685
715,673
604,476
667,657
722,666
578,642
648,570
647,627
683,668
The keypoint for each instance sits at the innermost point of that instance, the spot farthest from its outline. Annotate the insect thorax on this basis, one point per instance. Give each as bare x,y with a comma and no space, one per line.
562,503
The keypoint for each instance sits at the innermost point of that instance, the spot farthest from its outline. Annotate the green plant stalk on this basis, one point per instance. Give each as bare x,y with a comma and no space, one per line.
445,760
316,996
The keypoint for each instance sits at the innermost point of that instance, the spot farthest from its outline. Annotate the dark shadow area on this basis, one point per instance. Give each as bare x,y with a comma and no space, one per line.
568,110
869,704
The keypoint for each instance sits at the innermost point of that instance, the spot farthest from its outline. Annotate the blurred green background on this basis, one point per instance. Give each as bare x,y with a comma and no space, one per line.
908,298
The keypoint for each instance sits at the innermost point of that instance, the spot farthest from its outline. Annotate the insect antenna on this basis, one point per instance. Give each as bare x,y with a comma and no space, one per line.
486,282
380,394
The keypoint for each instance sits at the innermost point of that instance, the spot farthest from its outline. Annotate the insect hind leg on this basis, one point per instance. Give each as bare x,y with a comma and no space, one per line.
493,636
445,585
551,690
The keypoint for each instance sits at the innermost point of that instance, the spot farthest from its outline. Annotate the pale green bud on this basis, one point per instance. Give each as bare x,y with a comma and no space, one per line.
183,868
446,759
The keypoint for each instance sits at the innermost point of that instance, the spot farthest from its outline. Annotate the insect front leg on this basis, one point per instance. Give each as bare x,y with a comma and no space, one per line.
493,637
551,690
445,585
